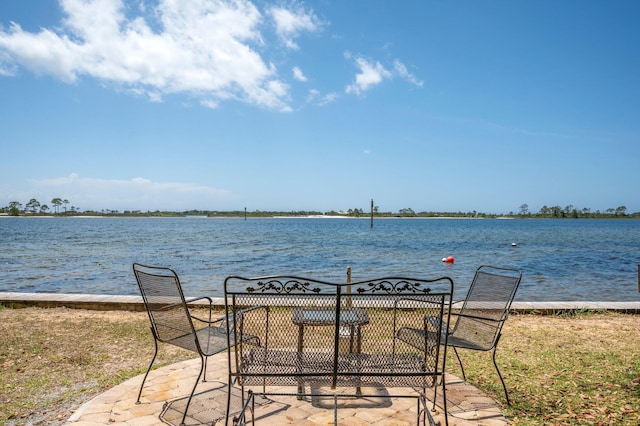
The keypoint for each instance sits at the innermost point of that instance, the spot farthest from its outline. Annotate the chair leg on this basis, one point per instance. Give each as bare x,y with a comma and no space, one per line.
444,399
464,377
186,408
204,375
435,393
148,370
506,394
229,384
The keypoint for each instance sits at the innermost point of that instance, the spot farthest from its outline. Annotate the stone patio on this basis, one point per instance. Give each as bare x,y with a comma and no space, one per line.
163,400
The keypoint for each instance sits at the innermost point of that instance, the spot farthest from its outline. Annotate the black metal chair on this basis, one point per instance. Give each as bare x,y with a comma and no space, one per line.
173,323
479,322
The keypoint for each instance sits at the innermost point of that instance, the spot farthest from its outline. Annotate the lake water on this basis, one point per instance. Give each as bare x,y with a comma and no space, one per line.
561,260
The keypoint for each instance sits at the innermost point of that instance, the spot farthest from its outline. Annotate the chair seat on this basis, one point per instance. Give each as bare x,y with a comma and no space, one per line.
464,343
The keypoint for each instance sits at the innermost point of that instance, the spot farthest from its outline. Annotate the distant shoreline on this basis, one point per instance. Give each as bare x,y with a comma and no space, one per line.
266,215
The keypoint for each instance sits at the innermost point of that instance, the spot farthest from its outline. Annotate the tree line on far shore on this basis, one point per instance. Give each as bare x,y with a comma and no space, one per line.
60,208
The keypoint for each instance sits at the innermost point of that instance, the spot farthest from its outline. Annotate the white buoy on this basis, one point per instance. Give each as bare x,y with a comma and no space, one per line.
513,244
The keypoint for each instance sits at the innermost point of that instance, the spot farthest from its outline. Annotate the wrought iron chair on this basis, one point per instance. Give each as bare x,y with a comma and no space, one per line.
478,324
173,323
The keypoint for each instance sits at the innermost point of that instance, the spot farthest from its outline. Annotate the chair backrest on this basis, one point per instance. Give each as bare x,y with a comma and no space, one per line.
165,303
486,306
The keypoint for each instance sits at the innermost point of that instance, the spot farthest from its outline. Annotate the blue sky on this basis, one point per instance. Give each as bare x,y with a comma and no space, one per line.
290,105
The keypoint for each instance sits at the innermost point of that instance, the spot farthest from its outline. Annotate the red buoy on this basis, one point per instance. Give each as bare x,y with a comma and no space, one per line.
449,259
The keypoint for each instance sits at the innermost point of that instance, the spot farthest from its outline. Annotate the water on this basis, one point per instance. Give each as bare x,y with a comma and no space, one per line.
561,260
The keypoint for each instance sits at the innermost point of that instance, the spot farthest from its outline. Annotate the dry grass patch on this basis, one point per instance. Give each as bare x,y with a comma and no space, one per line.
53,360
564,370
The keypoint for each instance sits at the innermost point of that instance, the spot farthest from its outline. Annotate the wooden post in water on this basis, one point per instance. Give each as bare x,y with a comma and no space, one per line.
348,298
372,212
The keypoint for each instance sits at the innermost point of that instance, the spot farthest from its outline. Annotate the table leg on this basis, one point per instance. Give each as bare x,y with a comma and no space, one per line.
359,351
352,330
300,345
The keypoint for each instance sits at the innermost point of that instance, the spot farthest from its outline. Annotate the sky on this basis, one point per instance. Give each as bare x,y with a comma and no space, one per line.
321,105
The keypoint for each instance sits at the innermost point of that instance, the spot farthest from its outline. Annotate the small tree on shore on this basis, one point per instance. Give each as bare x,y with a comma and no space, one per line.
14,208
33,205
57,202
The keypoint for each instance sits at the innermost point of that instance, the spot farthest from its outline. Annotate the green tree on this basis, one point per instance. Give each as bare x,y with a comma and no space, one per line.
65,202
620,211
44,208
57,202
524,209
407,212
33,205
14,208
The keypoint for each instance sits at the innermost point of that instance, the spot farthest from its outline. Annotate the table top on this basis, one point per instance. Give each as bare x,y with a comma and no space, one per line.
327,316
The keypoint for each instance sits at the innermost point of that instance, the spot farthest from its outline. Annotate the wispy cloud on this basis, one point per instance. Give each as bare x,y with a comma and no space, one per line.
402,71
298,74
499,127
316,97
372,73
135,194
208,50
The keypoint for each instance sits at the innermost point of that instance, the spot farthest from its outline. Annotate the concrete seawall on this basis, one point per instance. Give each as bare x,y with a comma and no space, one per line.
134,303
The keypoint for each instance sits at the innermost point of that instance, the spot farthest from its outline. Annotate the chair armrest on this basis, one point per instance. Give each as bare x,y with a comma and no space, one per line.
232,331
194,299
430,323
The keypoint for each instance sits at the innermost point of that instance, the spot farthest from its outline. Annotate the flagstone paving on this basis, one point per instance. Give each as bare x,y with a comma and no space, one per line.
165,391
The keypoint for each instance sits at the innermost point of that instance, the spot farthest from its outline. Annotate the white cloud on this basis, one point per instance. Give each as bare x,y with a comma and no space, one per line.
139,193
370,74
402,71
373,73
291,23
298,74
206,49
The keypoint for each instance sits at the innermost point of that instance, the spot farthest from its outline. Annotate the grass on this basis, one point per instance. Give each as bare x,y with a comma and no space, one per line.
571,369
563,370
53,360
